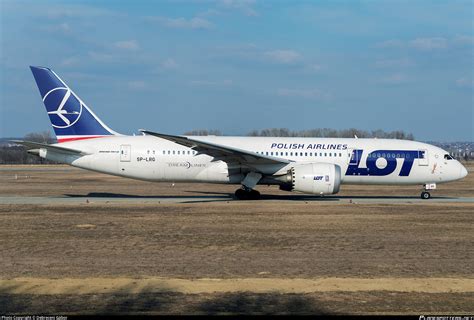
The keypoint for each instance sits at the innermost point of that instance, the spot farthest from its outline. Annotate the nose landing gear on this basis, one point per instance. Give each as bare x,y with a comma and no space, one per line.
425,195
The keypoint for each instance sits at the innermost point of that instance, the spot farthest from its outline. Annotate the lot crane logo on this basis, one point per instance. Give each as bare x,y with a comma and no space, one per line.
64,108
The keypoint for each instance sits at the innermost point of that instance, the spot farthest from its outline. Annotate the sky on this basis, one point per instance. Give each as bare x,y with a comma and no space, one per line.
239,65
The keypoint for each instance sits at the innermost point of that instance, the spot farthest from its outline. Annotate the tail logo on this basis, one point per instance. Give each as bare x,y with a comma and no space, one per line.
64,108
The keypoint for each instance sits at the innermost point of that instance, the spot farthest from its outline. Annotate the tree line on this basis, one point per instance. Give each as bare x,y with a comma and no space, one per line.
314,133
16,154
332,133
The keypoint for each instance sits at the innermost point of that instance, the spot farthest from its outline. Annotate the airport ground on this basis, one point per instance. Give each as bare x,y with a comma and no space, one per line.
73,241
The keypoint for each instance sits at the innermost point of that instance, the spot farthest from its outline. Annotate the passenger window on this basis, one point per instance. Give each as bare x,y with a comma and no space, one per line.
325,154
173,152
286,153
301,154
169,152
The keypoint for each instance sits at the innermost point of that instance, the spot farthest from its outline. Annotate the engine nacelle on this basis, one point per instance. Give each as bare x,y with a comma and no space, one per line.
316,178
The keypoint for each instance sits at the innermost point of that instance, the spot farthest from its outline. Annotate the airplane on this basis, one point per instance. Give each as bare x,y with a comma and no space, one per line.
317,166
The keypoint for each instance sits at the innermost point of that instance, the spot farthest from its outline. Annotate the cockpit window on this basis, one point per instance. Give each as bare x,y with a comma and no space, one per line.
448,157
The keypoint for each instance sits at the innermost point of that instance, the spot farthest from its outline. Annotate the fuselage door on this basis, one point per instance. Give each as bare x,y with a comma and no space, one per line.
423,157
125,153
353,157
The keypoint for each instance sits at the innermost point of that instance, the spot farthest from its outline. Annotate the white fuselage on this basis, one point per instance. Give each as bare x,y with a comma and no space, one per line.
362,161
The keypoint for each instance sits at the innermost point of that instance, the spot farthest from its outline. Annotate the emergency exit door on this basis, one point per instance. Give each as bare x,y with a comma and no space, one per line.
125,153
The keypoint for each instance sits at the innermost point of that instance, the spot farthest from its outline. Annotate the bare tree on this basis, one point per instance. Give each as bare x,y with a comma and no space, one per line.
16,154
41,137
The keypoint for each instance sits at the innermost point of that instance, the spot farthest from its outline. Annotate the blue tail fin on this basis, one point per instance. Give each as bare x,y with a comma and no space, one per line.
69,115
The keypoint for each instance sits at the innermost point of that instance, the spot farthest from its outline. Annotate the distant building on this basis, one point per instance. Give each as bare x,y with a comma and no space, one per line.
458,150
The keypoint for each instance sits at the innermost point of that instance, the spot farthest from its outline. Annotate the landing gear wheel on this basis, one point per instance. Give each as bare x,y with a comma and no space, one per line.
242,194
254,195
425,195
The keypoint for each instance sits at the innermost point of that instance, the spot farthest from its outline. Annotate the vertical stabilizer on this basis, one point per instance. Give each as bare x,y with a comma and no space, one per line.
69,115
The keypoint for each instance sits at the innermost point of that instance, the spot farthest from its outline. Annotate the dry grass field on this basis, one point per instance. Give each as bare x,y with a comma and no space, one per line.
96,244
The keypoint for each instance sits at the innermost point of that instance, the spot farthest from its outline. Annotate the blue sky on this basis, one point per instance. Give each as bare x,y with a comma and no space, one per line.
238,65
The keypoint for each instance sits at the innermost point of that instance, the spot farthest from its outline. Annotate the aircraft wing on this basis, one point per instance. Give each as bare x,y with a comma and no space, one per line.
36,145
220,152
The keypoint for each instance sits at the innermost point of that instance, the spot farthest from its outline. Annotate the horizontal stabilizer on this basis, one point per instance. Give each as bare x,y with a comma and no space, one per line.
36,145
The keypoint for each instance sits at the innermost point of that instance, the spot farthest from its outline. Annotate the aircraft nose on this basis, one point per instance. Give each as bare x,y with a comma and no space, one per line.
463,172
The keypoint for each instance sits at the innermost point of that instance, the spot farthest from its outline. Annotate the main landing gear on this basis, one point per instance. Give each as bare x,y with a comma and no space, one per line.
249,194
425,195
247,191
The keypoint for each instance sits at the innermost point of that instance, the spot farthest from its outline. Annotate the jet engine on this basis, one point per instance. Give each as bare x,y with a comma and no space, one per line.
315,178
